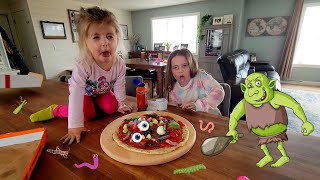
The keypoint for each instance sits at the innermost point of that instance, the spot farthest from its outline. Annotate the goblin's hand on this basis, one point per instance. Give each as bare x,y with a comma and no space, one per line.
234,134
307,128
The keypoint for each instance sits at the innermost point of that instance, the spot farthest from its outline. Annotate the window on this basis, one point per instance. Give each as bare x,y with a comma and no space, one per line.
308,42
177,30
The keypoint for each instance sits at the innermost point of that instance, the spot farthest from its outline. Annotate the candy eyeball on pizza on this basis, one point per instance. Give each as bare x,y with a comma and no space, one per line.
143,126
136,137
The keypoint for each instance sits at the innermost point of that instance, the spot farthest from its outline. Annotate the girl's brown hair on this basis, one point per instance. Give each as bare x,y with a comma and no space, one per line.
86,18
193,64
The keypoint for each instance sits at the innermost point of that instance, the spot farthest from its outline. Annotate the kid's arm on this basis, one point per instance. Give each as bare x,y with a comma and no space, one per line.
77,84
214,93
174,99
120,85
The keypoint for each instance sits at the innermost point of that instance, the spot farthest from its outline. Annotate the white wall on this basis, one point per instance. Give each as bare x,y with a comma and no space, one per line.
59,54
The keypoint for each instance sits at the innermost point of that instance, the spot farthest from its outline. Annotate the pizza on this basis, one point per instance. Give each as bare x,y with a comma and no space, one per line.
151,134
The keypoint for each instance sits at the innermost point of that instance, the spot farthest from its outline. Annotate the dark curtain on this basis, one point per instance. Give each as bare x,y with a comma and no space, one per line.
286,61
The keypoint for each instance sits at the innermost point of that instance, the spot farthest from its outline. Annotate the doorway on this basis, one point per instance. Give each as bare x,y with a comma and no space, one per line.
4,23
29,46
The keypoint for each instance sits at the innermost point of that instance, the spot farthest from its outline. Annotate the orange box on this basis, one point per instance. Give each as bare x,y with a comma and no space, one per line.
20,151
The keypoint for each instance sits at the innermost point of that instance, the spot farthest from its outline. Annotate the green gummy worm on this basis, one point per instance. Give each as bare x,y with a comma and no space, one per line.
190,169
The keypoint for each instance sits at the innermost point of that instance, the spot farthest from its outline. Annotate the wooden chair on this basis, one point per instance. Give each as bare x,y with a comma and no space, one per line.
225,104
131,86
165,54
154,54
148,75
142,55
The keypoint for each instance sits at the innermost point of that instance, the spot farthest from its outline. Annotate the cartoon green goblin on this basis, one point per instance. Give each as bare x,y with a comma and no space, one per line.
266,115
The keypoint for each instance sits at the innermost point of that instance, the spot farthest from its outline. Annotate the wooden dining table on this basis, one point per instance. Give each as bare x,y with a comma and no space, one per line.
236,160
138,63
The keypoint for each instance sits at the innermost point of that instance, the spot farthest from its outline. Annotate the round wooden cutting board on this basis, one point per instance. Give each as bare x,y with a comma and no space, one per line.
112,149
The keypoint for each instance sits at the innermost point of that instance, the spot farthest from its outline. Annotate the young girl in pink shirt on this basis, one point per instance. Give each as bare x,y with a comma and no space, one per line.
190,87
98,77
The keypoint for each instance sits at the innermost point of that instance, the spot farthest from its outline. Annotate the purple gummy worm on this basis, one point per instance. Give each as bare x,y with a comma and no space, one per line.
90,166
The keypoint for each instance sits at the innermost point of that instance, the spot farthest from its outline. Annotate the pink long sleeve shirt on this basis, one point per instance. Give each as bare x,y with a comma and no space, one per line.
91,80
203,90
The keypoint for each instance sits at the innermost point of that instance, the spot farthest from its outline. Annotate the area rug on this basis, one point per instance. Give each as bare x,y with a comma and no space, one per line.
310,103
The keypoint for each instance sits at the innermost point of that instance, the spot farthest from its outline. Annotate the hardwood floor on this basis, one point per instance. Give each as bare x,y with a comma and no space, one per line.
301,87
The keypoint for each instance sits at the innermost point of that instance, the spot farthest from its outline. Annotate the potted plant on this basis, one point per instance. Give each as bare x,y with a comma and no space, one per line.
204,19
168,45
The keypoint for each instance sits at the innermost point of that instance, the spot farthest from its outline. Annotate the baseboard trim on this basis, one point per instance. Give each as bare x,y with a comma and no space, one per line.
300,82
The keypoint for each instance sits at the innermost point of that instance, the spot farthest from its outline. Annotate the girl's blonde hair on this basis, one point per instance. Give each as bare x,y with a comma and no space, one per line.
193,64
94,15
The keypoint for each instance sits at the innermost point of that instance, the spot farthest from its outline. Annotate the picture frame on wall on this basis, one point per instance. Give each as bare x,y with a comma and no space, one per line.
184,46
217,20
162,48
53,30
176,47
228,19
156,46
124,29
73,15
269,26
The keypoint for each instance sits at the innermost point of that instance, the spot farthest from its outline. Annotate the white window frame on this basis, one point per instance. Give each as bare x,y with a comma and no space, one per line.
304,8
173,16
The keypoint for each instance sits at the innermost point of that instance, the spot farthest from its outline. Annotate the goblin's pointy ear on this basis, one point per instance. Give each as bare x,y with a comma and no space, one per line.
272,83
243,87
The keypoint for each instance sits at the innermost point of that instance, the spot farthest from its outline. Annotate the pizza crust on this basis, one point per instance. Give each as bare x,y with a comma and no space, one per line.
155,151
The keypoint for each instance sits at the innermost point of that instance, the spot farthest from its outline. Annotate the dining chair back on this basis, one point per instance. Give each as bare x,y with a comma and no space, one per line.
225,104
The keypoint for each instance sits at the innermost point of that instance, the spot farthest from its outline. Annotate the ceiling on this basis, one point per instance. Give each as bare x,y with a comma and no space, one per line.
135,5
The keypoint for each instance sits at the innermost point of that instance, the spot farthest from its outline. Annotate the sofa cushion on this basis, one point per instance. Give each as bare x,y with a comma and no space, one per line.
235,68
266,67
243,72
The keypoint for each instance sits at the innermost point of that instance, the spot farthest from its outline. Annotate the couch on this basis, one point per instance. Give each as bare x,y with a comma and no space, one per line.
235,67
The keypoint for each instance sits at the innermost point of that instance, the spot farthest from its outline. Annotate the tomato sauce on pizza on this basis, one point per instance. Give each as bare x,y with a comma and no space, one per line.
151,132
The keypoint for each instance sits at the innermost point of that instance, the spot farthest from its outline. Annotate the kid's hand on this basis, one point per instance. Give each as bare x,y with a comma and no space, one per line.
73,134
125,108
234,134
307,128
190,106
